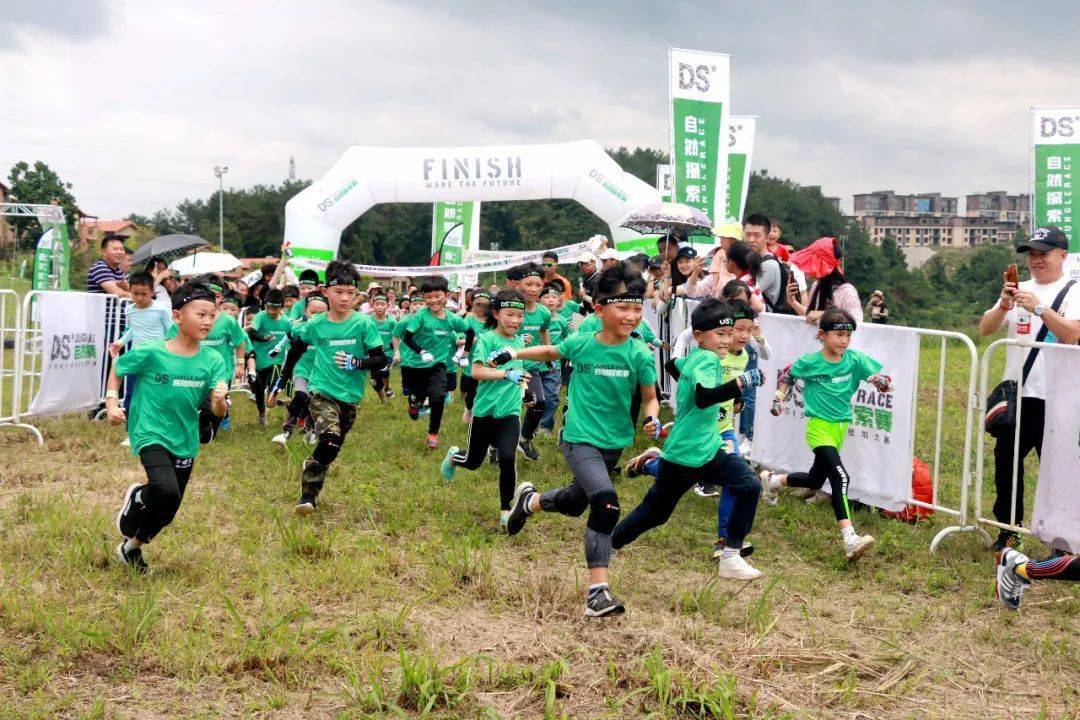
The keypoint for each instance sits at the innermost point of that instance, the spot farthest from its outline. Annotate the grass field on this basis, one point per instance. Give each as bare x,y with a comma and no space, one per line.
399,598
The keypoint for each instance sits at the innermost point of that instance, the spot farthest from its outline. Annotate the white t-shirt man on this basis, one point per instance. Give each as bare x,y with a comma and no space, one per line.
1023,325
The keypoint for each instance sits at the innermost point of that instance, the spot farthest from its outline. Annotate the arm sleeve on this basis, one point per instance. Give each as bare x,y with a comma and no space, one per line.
296,351
705,397
470,337
410,342
374,360
672,369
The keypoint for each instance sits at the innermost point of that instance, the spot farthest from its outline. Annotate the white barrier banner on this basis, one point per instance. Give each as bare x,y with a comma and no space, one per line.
567,254
878,449
1055,518
73,348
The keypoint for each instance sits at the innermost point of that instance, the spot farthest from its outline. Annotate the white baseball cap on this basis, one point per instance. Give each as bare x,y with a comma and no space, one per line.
587,258
609,254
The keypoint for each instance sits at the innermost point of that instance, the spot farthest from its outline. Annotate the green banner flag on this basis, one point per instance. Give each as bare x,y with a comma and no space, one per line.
52,258
1055,137
455,231
740,152
698,87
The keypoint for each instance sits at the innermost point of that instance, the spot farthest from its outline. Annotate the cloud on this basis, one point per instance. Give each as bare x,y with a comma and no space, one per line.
136,103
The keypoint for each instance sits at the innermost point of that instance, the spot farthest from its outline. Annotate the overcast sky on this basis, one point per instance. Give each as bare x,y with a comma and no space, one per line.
135,102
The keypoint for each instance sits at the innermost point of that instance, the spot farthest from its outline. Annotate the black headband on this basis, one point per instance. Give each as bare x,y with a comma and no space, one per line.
497,305
316,297
838,325
380,297
550,291
269,304
743,314
198,294
622,298
481,295
231,300
531,273
338,281
714,321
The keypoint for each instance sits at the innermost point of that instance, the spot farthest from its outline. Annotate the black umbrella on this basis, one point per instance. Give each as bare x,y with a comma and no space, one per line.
167,247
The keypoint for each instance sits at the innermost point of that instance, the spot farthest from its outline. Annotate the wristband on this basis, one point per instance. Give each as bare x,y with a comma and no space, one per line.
114,394
779,395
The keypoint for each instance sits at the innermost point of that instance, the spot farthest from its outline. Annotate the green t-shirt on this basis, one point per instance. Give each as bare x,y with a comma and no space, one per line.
306,362
592,324
828,386
496,398
695,437
265,326
386,331
225,336
569,308
478,329
408,357
537,319
559,329
436,335
165,407
604,381
355,335
297,310
733,366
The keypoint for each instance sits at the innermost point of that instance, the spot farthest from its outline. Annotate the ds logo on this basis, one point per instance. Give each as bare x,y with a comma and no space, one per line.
1058,127
695,76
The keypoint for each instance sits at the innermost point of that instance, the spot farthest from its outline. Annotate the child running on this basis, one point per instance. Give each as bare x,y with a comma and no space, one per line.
268,328
608,366
830,377
551,377
696,450
344,341
174,377
431,334
534,331
477,319
297,409
499,392
146,322
380,378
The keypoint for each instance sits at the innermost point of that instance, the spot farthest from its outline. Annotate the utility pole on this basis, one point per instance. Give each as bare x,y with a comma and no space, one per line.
292,168
219,172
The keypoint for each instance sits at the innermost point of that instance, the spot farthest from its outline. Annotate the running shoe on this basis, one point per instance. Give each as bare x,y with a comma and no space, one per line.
1007,539
1010,586
226,422
601,602
306,505
519,512
504,518
262,419
432,441
449,398
389,394
706,490
466,417
414,410
126,442
856,548
281,438
745,446
132,558
735,567
125,519
527,449
448,468
636,466
770,488
718,549
311,437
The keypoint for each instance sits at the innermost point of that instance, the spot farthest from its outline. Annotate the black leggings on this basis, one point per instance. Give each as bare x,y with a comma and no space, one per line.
427,383
263,380
166,479
380,380
468,390
672,482
500,433
536,412
827,467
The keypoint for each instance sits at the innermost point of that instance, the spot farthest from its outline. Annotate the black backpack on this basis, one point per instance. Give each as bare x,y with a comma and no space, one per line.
781,307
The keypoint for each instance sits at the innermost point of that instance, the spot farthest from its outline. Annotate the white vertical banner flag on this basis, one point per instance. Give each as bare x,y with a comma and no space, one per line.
878,449
741,131
1055,518
663,182
700,98
73,350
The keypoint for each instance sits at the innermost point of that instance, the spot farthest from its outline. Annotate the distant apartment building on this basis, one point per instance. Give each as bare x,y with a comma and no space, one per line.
933,220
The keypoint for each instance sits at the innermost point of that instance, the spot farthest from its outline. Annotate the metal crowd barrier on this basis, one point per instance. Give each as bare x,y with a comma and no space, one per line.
11,332
1014,523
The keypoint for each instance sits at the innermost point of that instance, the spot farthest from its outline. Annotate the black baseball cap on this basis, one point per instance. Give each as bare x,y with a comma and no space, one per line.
1045,239
656,261
686,251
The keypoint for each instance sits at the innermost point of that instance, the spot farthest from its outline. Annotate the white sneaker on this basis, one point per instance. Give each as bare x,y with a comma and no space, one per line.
126,442
769,491
736,568
745,446
281,439
856,548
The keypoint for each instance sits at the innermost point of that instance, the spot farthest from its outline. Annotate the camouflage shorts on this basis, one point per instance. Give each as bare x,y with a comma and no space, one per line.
331,416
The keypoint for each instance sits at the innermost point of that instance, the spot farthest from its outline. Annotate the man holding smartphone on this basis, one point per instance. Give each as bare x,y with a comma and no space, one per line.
1023,309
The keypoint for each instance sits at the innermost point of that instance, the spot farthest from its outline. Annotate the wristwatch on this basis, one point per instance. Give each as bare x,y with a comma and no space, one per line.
1039,309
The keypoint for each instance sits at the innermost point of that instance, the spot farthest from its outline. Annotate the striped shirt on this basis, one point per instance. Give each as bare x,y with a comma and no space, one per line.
99,273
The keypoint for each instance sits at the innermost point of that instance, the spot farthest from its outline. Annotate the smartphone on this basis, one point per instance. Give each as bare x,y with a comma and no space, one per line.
1010,274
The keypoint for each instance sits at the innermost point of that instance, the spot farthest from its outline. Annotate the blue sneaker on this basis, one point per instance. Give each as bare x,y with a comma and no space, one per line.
448,468
226,423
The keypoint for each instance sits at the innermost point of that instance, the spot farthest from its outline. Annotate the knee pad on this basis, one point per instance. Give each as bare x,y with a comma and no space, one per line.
328,448
604,512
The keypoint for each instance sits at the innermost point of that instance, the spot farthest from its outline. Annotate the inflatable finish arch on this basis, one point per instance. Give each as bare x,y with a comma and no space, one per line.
367,176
